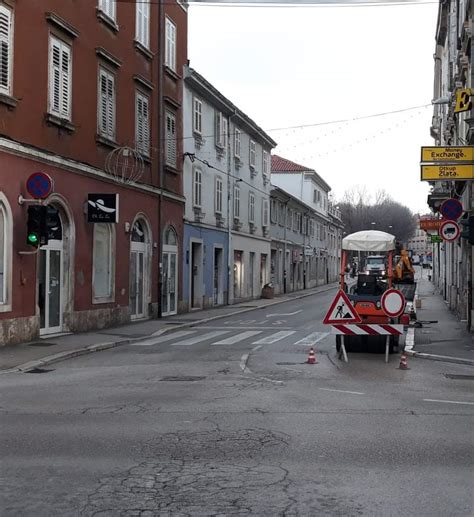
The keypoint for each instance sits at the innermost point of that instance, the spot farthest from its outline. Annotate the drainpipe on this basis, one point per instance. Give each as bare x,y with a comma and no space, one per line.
161,155
284,251
229,211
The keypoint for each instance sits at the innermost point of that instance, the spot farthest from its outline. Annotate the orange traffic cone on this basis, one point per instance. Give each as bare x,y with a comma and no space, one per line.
403,363
311,357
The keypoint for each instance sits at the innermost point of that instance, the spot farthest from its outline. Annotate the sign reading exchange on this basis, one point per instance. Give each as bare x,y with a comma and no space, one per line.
447,154
447,172
102,208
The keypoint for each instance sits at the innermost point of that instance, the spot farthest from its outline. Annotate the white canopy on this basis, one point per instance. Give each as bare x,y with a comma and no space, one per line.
369,240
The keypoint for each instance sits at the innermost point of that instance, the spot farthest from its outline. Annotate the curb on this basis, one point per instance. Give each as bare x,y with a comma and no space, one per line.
443,358
62,356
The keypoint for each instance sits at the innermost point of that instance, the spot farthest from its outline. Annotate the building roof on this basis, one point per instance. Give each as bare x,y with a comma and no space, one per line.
280,164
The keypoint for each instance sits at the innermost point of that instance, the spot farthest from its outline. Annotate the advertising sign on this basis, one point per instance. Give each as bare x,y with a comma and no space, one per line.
102,208
431,224
447,154
447,172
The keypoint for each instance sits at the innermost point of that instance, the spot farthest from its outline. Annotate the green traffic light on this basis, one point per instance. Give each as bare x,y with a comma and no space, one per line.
33,238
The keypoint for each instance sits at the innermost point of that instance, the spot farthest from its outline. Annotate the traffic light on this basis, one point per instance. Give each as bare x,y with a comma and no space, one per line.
51,224
34,225
467,228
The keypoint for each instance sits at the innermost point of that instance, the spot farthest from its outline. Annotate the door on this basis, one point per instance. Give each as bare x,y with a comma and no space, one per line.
218,294
50,287
137,283
170,282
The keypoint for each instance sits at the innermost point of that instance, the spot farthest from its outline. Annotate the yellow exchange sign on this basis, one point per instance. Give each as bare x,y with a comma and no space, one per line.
447,172
447,154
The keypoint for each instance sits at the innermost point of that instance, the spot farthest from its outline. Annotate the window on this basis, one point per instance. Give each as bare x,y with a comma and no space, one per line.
142,124
197,189
142,29
3,255
237,142
60,72
251,207
273,211
106,104
225,123
289,218
253,149
265,162
265,221
6,50
197,115
102,280
171,142
170,51
281,214
236,202
220,130
218,195
108,8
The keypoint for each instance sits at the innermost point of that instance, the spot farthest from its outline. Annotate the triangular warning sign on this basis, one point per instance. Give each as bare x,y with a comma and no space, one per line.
341,311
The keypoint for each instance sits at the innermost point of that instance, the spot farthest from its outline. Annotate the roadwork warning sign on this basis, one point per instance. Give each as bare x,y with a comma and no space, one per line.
341,311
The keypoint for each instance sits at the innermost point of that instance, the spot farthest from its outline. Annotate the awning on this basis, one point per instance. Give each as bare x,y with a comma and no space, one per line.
369,240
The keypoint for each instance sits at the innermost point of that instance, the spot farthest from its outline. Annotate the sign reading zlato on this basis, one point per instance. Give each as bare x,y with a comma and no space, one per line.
431,224
447,154
447,172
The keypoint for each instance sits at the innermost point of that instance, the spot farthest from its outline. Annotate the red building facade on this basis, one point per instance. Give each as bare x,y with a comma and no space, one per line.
90,94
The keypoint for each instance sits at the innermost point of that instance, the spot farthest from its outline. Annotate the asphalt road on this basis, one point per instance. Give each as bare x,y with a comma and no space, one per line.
227,419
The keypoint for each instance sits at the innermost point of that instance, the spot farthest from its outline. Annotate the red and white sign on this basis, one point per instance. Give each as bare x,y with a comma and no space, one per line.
449,231
393,302
341,311
368,330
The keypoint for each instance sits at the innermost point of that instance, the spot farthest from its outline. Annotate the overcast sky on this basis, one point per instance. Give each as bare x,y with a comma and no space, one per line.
305,66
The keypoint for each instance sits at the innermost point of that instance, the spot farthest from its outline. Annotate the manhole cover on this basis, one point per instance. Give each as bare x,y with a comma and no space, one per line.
41,343
183,378
39,370
460,377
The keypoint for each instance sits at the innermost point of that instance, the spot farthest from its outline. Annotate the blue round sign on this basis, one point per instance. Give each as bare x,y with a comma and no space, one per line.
451,209
39,185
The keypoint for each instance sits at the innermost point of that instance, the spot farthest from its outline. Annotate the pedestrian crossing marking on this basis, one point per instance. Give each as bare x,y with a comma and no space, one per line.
162,339
273,338
312,338
238,337
197,339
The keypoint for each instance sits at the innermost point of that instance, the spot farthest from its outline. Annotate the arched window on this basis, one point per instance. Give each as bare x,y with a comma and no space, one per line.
170,237
6,245
138,233
103,263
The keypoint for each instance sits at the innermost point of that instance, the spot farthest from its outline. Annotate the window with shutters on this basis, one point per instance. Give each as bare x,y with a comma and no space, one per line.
197,188
170,45
237,142
142,124
6,50
171,143
108,8
219,131
253,152
142,28
265,215
219,195
265,163
60,78
236,202
197,116
273,211
106,104
251,207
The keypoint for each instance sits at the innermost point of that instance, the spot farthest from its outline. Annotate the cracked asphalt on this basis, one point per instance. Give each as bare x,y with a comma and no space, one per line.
169,430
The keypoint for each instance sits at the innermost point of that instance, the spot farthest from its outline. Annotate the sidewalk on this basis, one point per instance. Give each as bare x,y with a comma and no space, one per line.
442,336
47,350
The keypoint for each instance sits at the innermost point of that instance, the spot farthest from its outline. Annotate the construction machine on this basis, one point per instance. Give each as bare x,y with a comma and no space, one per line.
403,272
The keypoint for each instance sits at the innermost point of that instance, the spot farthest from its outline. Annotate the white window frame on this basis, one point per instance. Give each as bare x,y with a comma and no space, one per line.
170,44
108,296
252,153
251,207
197,115
236,202
171,147
108,8
237,142
219,130
197,187
142,23
225,131
265,214
106,105
142,123
60,80
218,195
6,248
274,211
6,38
265,163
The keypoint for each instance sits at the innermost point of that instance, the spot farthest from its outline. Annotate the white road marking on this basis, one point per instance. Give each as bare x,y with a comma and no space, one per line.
283,314
312,339
240,328
243,361
342,391
198,339
162,339
273,338
449,401
238,337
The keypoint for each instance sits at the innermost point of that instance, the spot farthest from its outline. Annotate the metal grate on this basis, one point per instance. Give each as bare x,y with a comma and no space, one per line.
39,370
41,343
